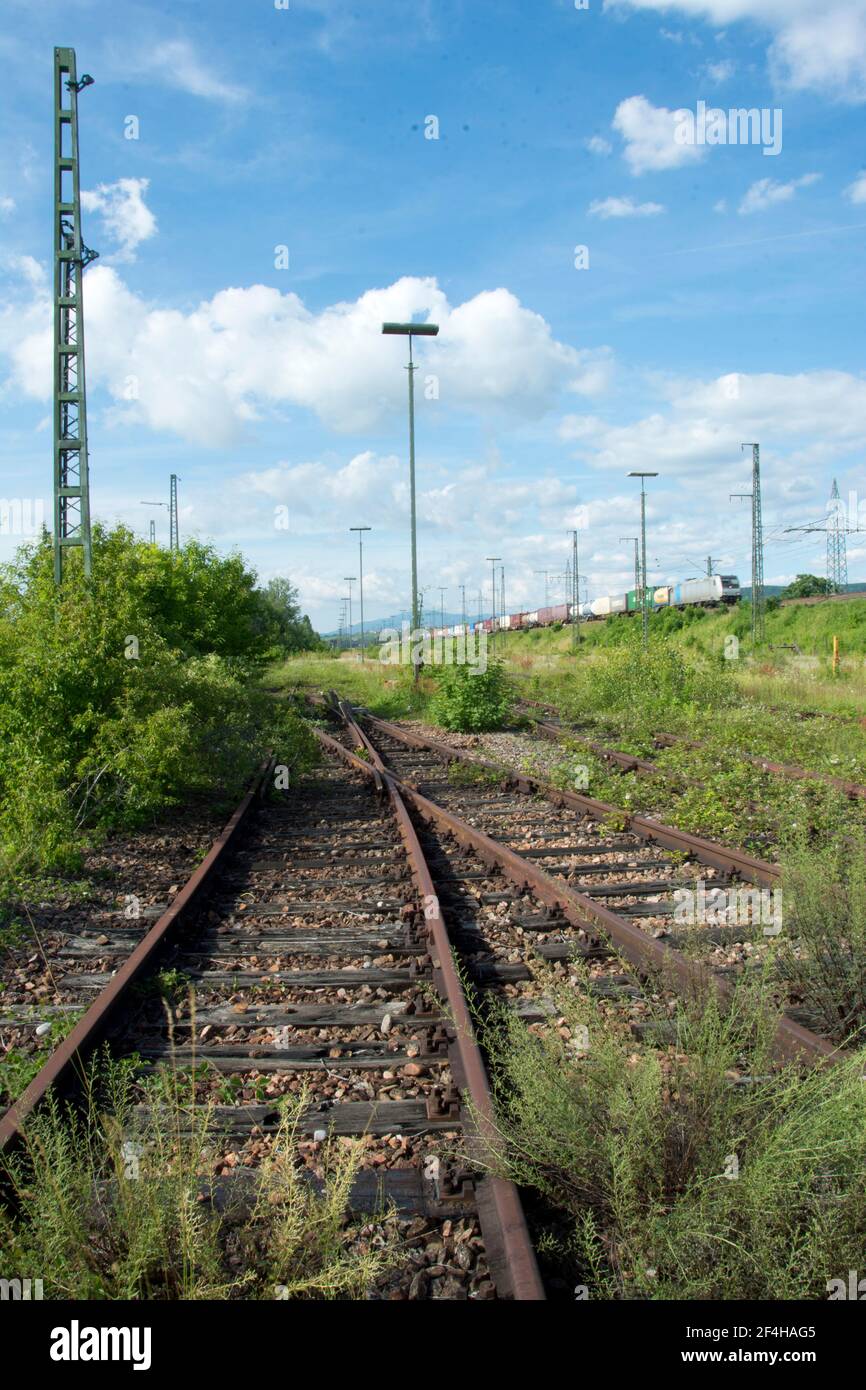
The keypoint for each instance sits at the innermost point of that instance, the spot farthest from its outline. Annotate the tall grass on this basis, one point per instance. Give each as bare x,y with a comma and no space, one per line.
112,1202
696,1171
821,953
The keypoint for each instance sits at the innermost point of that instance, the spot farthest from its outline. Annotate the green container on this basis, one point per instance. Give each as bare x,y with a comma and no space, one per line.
632,599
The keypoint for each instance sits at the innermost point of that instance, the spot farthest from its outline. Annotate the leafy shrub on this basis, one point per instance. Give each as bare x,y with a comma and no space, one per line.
647,682
128,693
472,702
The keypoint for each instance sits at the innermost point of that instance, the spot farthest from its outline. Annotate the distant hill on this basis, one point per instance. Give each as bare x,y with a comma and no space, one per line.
431,617
774,590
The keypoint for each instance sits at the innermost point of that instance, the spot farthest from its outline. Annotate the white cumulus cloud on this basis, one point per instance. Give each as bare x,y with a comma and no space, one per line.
126,218
856,191
623,207
650,139
206,373
812,47
766,193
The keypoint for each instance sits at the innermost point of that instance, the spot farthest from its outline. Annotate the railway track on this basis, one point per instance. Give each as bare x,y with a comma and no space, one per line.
549,725
314,946
313,952
621,885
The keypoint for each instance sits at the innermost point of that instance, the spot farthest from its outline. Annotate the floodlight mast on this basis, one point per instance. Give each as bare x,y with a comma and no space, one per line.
71,257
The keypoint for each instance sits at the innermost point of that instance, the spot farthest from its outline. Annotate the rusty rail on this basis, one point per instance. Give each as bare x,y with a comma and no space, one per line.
793,1041
706,851
792,771
508,1230
71,1053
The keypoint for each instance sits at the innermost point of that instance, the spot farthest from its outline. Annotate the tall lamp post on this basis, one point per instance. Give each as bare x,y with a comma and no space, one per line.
410,330
643,603
636,540
350,579
493,559
152,526
575,592
361,530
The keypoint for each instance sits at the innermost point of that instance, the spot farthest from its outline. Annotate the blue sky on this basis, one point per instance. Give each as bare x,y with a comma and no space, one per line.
721,301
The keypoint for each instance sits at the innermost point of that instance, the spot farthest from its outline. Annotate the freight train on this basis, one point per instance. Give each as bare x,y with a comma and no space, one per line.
707,592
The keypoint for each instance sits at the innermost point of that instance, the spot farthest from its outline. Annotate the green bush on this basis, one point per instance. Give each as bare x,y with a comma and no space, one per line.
128,693
649,682
472,701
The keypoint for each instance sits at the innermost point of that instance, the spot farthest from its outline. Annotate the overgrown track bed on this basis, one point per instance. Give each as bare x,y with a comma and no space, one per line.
623,876
314,963
552,726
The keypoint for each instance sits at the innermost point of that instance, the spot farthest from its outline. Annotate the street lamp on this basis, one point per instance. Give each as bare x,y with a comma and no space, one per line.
361,530
410,330
153,524
493,559
575,592
643,603
636,540
349,579
546,574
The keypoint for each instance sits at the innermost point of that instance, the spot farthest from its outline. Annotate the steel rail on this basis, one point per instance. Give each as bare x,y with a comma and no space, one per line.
793,1041
792,771
508,1230
71,1053
500,1212
706,851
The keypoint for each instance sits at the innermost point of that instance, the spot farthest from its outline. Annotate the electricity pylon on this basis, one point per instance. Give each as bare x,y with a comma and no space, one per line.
837,550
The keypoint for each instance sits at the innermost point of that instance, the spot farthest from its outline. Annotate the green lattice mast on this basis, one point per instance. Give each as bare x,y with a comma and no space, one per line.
71,482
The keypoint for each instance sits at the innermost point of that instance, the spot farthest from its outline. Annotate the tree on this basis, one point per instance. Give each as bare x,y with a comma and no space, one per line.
807,586
288,630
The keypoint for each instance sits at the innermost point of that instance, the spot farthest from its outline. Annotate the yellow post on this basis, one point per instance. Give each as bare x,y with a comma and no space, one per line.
835,656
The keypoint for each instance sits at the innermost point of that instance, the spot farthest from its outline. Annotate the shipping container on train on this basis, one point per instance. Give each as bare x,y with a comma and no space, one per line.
662,597
557,613
531,619
633,603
